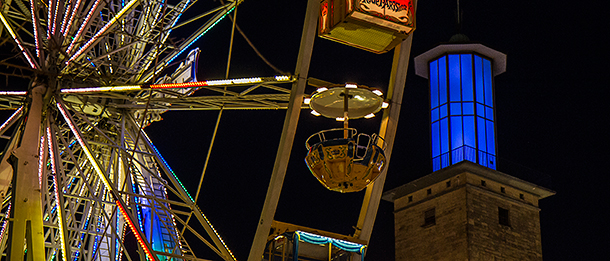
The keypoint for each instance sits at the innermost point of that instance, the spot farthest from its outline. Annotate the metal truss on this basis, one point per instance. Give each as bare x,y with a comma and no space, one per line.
79,178
100,41
101,178
98,180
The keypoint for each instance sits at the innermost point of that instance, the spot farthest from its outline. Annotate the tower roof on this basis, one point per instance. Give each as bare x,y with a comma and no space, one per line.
466,166
421,61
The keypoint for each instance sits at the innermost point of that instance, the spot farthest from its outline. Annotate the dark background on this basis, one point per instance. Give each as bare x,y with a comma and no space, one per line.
551,119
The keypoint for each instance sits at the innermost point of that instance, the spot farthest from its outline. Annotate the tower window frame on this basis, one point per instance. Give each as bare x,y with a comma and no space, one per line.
504,216
429,218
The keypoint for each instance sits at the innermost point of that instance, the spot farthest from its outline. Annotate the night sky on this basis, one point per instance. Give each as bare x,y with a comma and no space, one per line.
551,115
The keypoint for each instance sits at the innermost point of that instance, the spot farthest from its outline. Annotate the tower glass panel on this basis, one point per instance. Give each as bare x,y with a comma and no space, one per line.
461,110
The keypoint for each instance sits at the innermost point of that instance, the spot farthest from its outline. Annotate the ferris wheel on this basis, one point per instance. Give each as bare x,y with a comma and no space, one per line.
79,175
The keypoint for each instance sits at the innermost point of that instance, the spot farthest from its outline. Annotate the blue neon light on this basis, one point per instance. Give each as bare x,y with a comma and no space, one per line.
197,38
461,110
170,169
466,75
322,240
434,84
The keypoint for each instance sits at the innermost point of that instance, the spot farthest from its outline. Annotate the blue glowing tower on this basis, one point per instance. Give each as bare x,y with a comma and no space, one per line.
462,105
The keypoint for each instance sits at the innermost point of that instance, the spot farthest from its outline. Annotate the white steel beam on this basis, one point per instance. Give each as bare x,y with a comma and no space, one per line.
288,132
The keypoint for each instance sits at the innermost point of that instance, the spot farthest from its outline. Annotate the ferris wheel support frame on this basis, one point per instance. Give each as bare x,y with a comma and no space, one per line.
387,131
26,218
288,132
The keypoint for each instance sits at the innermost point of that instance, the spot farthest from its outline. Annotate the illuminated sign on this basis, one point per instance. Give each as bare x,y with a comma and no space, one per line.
398,11
373,25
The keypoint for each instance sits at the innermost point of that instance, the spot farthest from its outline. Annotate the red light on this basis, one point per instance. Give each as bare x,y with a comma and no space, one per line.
134,230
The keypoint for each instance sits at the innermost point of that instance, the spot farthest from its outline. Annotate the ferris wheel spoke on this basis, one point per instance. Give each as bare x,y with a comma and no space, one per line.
11,120
34,7
96,37
93,8
72,15
148,187
230,6
100,177
57,182
16,38
107,185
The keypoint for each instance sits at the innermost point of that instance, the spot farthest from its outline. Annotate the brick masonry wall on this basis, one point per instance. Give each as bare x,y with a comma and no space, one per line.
467,222
491,241
447,240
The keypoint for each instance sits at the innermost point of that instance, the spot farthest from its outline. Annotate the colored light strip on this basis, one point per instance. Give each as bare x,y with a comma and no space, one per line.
170,30
49,15
319,239
166,165
178,18
96,238
207,83
33,11
40,161
84,147
184,189
15,114
83,25
282,78
119,257
134,230
238,81
137,202
82,237
215,232
54,254
62,229
13,92
66,15
103,89
183,48
74,10
5,223
54,16
102,30
103,178
12,33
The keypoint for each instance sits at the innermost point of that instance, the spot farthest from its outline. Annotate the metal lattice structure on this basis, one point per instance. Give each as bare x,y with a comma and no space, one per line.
79,178
79,174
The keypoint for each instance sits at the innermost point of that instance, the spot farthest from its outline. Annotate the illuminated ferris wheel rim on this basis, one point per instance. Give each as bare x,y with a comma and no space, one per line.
116,42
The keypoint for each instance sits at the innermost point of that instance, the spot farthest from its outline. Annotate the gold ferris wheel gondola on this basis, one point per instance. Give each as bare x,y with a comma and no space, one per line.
341,159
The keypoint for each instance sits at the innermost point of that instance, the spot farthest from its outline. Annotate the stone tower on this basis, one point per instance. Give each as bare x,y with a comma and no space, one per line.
467,212
465,209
